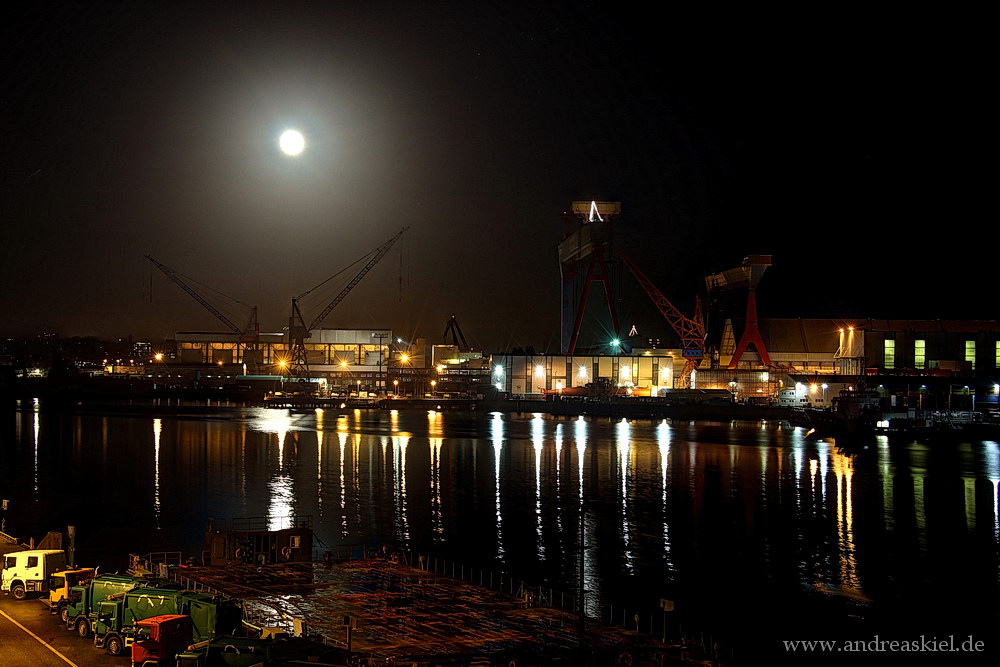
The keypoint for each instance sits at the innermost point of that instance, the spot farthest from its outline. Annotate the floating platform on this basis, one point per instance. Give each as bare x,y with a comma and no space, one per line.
412,616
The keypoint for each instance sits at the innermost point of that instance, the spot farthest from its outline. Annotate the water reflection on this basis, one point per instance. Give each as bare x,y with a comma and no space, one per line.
157,429
496,436
626,509
281,485
991,454
663,444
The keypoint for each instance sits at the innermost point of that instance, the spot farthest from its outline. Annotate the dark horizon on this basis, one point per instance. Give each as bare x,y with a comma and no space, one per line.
846,147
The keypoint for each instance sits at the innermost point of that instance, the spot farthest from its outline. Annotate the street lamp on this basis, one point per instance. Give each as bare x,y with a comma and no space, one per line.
433,385
395,388
380,337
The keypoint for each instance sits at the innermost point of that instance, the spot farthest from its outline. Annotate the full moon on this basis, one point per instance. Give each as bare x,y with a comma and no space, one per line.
292,142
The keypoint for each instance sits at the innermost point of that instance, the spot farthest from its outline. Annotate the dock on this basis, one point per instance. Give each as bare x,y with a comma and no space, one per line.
384,609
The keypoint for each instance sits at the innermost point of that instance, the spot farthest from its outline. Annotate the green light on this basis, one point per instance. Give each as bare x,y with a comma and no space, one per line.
616,342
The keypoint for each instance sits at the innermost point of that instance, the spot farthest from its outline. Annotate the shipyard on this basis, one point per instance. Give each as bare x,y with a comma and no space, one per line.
496,335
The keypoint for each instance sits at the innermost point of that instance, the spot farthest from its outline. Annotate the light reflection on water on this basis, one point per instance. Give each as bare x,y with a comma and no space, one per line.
657,505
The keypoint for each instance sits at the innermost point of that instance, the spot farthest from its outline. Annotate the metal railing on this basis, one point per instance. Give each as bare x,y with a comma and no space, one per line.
669,638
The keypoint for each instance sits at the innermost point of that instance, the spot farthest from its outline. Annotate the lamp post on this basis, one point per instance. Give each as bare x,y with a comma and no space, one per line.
404,358
380,337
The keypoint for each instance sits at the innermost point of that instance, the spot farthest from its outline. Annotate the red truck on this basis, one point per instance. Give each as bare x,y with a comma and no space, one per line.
169,634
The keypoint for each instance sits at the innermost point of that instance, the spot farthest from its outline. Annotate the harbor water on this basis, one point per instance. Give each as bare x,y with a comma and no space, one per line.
754,530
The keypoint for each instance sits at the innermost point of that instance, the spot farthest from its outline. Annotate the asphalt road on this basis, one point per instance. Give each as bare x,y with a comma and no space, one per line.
31,637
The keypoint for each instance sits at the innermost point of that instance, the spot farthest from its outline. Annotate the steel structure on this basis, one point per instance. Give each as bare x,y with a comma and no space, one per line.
586,249
747,275
249,334
456,333
298,332
691,330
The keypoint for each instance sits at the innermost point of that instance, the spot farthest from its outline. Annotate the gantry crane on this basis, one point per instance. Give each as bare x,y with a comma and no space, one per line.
298,332
249,335
690,330
747,275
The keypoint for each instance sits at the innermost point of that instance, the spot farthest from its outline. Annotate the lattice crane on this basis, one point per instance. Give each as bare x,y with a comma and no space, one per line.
249,334
456,333
690,330
298,332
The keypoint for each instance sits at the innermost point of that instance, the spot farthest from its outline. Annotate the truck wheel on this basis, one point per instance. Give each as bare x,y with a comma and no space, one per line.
83,628
64,614
17,590
114,645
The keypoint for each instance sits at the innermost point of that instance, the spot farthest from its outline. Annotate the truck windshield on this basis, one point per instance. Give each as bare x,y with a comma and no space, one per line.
75,596
56,582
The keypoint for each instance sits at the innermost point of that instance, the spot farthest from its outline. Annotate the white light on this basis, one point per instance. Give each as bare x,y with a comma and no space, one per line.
498,370
539,370
594,211
583,371
292,142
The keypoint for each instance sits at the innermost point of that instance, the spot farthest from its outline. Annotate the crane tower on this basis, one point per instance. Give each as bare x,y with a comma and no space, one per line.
585,258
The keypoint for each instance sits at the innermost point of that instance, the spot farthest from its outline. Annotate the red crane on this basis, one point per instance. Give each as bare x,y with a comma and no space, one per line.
690,330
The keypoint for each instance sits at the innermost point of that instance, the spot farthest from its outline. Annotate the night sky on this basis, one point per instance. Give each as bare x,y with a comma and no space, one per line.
854,148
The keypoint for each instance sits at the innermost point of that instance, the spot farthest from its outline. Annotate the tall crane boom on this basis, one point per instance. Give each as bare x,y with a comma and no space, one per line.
380,252
170,273
690,330
298,332
250,334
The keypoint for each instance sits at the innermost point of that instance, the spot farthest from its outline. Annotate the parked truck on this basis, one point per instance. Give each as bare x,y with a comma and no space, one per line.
270,652
80,611
163,637
29,571
116,627
60,585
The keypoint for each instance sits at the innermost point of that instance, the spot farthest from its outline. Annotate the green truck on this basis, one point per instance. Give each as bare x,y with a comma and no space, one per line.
115,628
80,611
271,652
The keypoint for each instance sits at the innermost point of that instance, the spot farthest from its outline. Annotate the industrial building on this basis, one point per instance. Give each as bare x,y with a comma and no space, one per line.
643,374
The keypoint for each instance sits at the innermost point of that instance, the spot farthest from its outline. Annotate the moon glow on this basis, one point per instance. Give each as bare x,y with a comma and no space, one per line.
292,142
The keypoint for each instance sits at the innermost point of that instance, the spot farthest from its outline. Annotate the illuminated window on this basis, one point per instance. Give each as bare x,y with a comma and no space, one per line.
997,362
890,354
970,352
920,354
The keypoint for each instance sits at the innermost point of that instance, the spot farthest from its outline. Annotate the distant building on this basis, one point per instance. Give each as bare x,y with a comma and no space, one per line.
931,363
643,373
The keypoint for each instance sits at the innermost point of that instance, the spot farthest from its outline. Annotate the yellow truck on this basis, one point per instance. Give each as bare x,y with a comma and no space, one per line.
60,584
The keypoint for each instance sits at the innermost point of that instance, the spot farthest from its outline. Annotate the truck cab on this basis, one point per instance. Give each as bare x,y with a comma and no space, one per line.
164,637
60,584
29,571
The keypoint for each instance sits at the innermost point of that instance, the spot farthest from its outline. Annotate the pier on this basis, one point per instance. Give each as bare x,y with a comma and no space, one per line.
384,609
